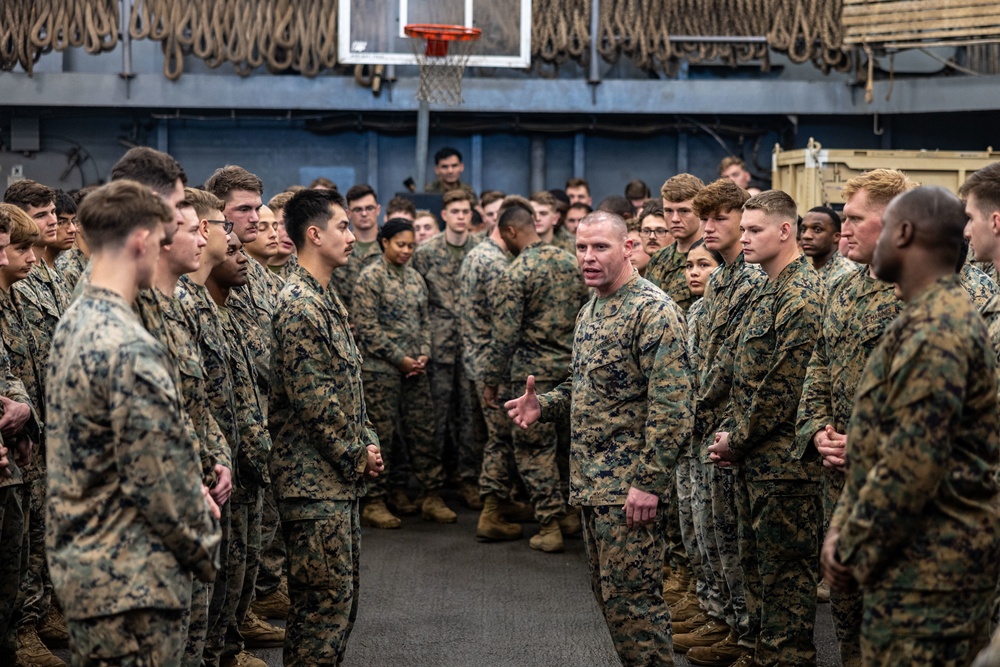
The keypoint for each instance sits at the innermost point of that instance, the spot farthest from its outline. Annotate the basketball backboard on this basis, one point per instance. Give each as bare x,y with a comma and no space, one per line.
370,32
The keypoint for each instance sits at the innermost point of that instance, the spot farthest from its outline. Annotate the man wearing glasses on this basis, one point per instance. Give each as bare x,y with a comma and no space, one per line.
666,267
363,210
251,307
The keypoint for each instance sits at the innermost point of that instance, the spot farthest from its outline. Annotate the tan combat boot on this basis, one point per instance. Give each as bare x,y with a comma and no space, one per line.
377,515
723,653
399,501
823,592
492,526
273,605
434,509
677,585
549,539
242,659
258,633
52,630
470,495
690,625
571,524
685,609
31,652
705,636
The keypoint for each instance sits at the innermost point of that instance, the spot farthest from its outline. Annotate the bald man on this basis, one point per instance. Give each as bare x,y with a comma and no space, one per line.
916,527
629,400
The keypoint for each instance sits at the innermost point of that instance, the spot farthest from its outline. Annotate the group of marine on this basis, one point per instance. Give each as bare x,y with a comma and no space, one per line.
204,399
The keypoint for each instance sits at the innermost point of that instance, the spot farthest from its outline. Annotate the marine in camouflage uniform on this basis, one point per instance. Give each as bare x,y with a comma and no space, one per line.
835,269
13,505
480,272
248,333
696,509
42,298
438,262
629,403
917,520
346,277
777,492
202,317
535,304
70,265
320,452
857,312
271,562
727,296
164,318
390,319
127,524
666,271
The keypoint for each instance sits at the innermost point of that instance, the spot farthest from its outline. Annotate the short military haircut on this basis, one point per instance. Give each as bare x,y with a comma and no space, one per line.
681,187
984,184
279,200
360,191
938,217
618,205
65,204
729,161
516,217
881,186
578,183
601,216
154,169
828,212
516,200
636,189
203,202
400,205
321,182
721,196
227,179
491,197
583,207
446,153
651,207
295,188
453,196
111,213
80,194
545,198
773,204
27,193
14,221
310,208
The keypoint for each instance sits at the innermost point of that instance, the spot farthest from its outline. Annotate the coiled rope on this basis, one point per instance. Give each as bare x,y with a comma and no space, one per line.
31,28
283,35
301,35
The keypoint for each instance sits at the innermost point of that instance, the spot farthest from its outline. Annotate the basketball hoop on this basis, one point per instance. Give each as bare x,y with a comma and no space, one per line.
442,52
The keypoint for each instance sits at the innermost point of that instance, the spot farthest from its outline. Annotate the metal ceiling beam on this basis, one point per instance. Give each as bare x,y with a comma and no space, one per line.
484,95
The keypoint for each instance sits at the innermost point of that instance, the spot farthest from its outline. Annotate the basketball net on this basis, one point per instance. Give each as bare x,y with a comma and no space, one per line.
442,64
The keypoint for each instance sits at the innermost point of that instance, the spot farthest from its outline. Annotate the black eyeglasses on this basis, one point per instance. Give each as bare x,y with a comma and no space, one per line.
658,233
227,225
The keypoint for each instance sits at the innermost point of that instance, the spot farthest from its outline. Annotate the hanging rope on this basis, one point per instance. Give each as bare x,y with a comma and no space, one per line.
281,35
641,30
301,35
31,28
